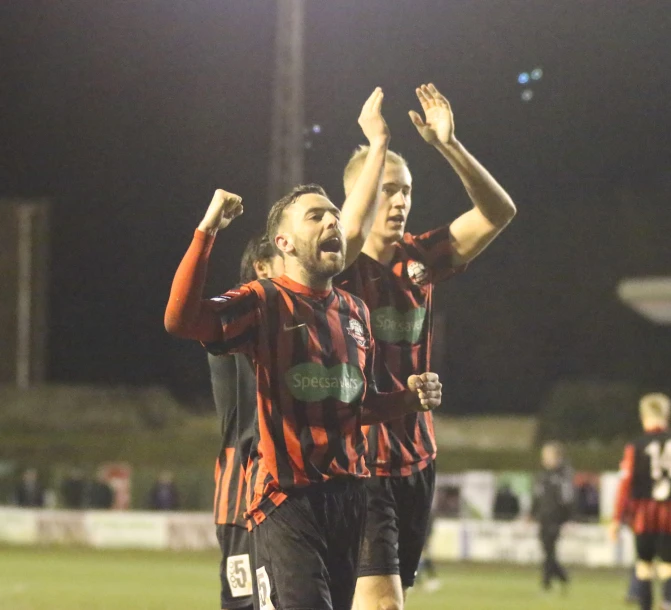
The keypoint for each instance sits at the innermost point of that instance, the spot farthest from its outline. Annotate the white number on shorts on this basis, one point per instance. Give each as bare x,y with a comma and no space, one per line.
263,584
239,575
660,469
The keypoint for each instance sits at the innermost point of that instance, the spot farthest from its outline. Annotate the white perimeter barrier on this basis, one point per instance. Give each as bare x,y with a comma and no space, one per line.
517,542
453,540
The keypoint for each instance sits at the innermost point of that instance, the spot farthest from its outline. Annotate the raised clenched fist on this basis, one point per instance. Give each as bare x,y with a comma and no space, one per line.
223,208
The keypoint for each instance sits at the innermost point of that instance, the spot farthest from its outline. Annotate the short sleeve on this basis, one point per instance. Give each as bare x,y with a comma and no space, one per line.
435,249
238,310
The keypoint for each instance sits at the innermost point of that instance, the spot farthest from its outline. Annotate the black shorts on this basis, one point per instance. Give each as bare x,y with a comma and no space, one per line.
649,546
397,525
306,551
235,569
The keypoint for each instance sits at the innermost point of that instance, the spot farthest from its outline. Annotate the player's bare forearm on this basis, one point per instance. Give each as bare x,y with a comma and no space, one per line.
473,231
493,208
485,192
358,211
186,314
360,207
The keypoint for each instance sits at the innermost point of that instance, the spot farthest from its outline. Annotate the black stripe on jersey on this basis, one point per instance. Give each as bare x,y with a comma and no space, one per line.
252,463
299,340
247,405
353,355
238,308
331,424
273,298
219,485
372,436
396,448
410,423
427,443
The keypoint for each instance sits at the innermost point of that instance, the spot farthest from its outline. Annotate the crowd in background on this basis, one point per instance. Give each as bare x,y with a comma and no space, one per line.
77,492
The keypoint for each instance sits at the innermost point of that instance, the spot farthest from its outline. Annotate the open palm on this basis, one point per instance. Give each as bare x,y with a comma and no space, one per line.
437,126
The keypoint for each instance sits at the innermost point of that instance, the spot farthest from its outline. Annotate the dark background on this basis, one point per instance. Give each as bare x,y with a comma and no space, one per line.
129,114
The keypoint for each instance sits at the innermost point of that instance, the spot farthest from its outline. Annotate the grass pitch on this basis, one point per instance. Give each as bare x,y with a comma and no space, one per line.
83,579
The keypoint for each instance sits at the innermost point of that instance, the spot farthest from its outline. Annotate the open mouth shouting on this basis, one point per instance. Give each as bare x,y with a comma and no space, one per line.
332,245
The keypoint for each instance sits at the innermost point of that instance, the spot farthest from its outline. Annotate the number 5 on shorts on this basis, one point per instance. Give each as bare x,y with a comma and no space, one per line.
239,575
263,585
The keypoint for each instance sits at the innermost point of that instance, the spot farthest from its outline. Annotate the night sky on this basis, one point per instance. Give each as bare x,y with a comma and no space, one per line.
128,115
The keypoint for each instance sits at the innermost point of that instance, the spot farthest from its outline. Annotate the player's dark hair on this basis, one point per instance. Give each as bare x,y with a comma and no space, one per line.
258,250
276,212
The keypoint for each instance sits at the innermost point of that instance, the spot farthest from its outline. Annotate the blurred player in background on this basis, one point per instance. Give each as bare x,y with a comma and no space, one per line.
645,493
234,390
553,503
395,275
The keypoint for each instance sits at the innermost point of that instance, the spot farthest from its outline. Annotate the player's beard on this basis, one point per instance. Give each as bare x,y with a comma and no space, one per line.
317,264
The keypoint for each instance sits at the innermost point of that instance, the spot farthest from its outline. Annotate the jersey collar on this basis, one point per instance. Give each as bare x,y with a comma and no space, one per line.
287,282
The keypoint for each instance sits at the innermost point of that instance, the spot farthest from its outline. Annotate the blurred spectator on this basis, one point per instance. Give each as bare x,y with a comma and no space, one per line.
73,489
164,495
506,504
449,502
587,502
100,493
29,492
554,499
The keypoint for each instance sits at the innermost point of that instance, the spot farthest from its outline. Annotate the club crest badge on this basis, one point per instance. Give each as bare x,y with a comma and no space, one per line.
356,331
417,273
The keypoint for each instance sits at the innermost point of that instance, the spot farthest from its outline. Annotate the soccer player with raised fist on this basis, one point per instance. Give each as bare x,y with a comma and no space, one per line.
313,354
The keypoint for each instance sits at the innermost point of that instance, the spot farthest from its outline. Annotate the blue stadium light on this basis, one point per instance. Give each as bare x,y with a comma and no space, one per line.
316,128
536,74
527,95
523,78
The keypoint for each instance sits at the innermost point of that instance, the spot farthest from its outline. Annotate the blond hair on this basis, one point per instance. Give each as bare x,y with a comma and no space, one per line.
356,161
655,406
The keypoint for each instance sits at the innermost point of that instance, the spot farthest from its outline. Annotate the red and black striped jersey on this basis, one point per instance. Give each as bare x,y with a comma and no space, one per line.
234,389
312,353
644,494
400,297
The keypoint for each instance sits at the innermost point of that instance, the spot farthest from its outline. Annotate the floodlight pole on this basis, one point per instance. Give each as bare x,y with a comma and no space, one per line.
24,295
287,139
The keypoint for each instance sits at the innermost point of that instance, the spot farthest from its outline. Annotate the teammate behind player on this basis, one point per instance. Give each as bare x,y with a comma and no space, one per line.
645,492
234,390
395,276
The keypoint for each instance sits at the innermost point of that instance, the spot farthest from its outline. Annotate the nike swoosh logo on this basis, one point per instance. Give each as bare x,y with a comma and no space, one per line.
287,327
